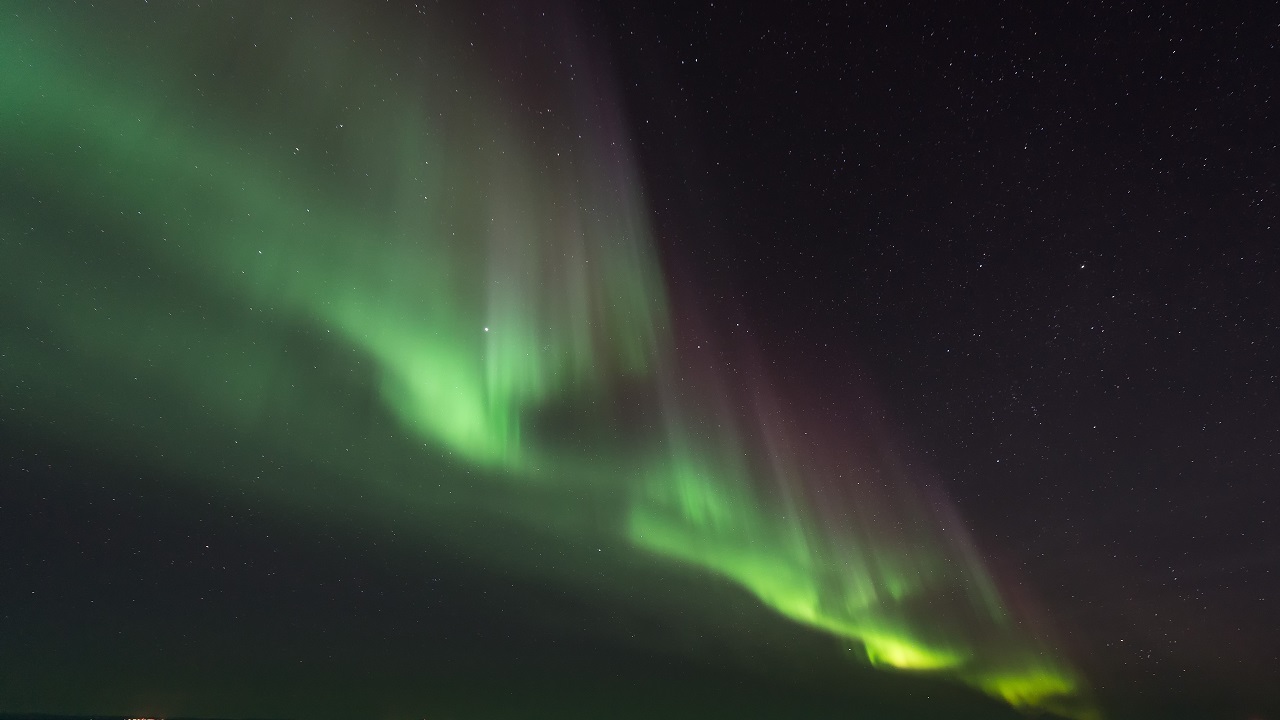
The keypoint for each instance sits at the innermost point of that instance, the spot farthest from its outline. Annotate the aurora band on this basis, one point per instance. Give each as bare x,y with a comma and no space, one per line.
221,229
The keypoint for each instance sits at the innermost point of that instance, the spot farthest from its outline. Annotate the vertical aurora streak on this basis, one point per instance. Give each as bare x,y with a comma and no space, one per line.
189,197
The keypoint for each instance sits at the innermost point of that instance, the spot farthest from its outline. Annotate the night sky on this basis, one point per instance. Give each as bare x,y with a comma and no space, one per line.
669,360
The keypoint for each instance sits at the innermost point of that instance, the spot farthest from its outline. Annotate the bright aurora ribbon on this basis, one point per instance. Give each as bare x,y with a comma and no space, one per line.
219,225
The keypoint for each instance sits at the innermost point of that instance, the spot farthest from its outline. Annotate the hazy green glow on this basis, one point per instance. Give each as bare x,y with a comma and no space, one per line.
179,224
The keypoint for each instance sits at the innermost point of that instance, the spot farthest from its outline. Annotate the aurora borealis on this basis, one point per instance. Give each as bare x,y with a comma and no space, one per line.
322,266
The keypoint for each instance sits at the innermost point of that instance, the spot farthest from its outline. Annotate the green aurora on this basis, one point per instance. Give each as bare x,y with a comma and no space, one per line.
221,225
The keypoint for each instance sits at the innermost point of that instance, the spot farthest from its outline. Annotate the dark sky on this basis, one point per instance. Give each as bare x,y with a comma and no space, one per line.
1033,251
